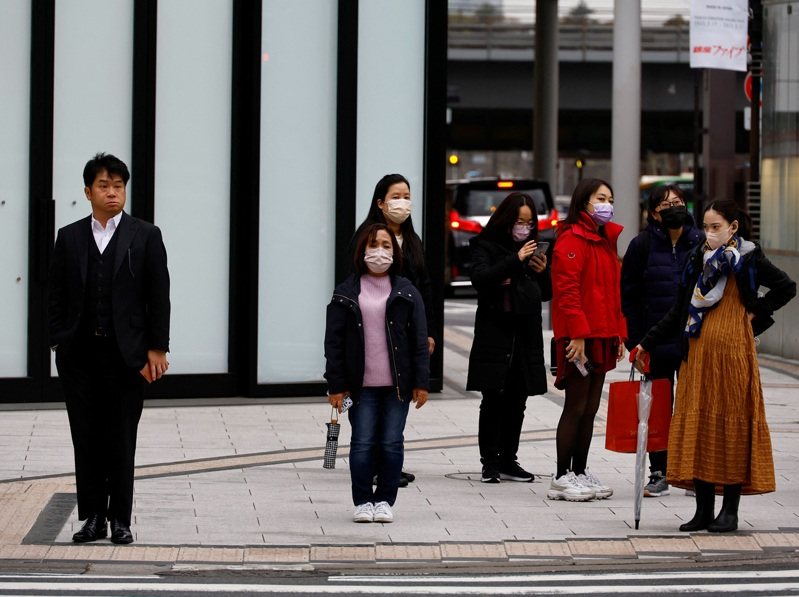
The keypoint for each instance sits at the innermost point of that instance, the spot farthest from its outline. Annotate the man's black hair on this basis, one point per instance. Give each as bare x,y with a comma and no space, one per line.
104,161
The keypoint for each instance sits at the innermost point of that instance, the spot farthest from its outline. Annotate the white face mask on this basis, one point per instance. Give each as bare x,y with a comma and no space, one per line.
398,210
715,240
378,260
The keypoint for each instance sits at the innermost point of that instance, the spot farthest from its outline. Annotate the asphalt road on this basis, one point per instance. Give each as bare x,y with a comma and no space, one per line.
773,577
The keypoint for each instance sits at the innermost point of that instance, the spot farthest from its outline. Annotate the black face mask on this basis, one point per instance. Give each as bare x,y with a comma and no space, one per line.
674,217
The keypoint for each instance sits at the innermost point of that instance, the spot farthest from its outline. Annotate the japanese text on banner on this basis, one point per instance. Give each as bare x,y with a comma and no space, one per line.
718,34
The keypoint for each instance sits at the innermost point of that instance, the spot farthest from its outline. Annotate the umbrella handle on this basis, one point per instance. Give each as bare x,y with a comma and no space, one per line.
334,416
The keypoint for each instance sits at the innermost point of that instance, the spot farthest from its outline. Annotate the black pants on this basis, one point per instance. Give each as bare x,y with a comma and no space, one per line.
501,419
663,368
104,403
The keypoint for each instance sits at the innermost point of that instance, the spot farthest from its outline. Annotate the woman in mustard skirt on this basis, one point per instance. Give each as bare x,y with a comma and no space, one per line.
719,434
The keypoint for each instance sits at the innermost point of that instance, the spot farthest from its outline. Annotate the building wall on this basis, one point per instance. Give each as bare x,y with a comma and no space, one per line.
238,120
780,163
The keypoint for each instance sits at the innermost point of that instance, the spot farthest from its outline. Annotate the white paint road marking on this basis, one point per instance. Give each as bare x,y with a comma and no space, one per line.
49,589
527,578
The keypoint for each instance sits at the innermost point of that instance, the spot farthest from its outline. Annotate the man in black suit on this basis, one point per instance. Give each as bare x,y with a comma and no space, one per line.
109,327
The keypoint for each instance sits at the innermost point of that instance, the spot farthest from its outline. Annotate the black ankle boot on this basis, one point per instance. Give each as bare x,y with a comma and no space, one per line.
705,499
727,520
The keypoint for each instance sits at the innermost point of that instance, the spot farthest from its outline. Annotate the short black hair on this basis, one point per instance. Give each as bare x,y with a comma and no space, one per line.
659,194
364,238
109,163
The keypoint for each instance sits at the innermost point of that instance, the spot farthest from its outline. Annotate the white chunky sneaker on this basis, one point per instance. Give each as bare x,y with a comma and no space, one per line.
589,479
568,487
364,513
383,512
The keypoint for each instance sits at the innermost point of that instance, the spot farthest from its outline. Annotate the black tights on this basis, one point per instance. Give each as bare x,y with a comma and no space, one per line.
576,425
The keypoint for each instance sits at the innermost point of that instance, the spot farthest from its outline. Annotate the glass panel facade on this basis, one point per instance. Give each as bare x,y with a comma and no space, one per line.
297,177
780,140
93,95
192,176
390,99
15,31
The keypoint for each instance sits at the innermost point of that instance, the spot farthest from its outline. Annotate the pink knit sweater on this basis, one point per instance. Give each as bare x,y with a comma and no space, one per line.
372,300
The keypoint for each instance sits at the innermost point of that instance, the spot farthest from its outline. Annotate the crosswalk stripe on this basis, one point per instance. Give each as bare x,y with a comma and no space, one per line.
49,589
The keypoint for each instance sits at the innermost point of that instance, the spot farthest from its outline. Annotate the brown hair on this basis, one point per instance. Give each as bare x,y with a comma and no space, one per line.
367,235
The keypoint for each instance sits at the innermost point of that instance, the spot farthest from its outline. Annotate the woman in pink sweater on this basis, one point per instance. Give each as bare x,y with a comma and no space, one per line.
376,352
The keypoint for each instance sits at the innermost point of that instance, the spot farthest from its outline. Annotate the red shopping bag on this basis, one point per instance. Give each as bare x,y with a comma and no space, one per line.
622,423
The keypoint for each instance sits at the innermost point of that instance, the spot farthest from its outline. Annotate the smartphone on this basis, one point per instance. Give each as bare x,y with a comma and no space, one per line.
346,403
583,368
541,248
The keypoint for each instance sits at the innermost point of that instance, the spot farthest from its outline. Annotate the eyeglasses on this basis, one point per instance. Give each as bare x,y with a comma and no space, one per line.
672,203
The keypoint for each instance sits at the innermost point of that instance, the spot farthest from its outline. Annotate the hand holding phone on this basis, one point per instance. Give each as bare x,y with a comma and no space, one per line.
583,368
541,248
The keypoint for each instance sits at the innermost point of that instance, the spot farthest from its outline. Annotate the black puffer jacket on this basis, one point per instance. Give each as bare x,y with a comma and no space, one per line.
406,334
650,277
508,320
755,271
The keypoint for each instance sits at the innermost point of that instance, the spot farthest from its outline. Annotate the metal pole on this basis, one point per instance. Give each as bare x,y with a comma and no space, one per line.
626,127
756,70
545,114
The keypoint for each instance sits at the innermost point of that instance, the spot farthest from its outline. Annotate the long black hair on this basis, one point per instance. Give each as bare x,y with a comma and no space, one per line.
500,225
375,216
582,195
731,211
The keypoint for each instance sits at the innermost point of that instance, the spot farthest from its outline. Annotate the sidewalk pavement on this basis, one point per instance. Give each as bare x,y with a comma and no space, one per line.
240,482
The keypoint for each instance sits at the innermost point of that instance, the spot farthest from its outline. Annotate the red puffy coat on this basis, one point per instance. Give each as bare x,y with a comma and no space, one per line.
586,287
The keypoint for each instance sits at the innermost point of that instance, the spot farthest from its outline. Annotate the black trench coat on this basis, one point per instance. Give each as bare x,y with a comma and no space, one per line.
508,320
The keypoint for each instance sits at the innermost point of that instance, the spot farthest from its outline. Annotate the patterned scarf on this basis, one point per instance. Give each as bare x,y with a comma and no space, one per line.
718,265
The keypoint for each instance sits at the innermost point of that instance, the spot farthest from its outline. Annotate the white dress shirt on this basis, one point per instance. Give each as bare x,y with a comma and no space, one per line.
102,236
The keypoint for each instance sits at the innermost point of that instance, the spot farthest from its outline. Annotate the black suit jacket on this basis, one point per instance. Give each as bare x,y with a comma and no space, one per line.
139,290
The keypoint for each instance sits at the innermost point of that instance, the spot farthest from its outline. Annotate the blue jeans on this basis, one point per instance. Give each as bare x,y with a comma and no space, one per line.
377,419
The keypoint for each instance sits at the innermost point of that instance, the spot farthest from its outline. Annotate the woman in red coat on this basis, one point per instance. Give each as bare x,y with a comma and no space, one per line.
589,330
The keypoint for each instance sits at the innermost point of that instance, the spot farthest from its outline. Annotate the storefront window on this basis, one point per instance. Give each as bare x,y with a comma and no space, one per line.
780,131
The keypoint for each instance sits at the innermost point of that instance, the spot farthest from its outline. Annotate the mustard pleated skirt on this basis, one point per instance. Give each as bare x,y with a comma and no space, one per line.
719,432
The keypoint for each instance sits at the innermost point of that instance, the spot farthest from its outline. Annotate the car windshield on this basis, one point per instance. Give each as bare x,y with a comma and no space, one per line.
479,202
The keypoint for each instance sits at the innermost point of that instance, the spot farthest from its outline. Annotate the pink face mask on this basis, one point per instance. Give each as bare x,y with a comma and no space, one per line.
520,232
378,260
715,240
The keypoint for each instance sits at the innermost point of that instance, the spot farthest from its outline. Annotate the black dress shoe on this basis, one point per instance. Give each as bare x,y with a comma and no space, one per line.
120,533
94,528
409,477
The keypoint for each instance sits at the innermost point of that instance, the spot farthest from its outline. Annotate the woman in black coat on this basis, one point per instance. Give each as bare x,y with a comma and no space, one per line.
506,362
391,206
376,352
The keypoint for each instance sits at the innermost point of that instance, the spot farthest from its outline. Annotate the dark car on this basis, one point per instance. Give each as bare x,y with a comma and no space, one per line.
470,204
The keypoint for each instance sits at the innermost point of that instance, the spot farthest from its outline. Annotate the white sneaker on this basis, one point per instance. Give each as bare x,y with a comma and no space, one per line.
568,487
589,479
383,512
364,513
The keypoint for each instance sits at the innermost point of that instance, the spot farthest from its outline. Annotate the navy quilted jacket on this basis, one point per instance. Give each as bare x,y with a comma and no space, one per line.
650,280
